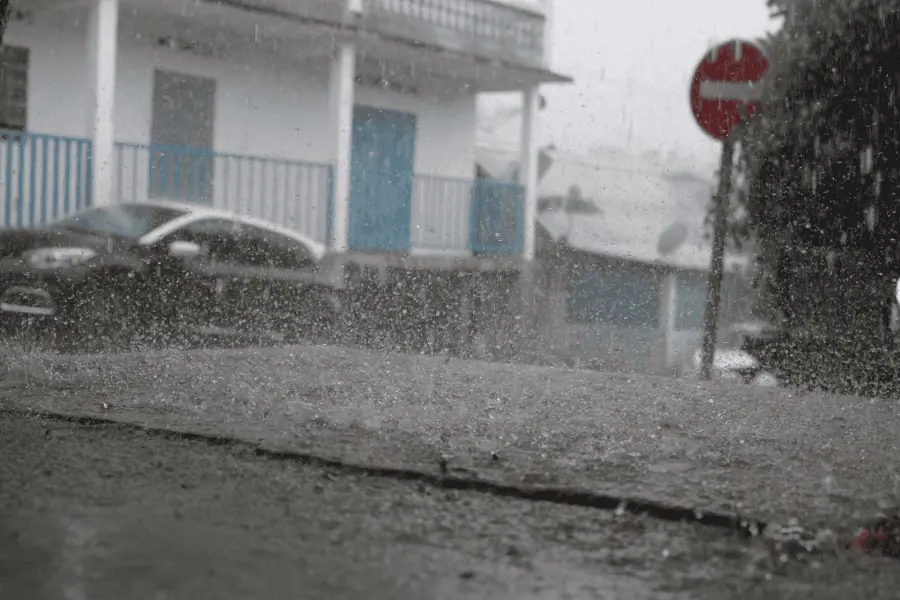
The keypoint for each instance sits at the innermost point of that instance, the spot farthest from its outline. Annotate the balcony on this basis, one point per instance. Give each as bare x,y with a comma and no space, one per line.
485,28
44,177
292,194
467,216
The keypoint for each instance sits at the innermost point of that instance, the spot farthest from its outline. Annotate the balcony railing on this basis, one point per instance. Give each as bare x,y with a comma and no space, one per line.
440,213
293,194
484,27
497,223
481,216
42,177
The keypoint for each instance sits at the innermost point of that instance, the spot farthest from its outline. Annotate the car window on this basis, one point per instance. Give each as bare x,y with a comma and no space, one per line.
129,221
206,227
218,236
266,248
203,231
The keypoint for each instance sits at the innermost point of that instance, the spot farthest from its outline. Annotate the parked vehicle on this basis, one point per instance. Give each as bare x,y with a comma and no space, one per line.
736,358
161,270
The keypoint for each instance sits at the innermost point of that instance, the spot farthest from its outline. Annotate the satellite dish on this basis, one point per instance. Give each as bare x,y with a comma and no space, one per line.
545,161
672,238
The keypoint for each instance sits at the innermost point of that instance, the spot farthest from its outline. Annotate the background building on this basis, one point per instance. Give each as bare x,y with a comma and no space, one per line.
626,257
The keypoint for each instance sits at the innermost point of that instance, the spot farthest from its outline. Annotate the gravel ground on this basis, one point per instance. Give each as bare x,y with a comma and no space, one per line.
828,461
107,512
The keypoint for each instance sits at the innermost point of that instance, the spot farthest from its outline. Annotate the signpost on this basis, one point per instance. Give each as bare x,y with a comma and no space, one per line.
724,92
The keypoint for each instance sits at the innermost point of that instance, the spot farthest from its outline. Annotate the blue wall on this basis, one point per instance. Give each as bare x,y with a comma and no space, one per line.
615,296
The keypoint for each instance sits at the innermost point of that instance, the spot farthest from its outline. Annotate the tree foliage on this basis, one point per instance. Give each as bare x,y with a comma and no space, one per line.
821,167
5,9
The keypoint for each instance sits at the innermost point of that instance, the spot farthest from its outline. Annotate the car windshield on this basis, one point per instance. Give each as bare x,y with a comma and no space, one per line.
128,221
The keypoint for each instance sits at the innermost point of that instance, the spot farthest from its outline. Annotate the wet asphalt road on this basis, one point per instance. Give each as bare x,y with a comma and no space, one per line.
98,513
104,512
826,461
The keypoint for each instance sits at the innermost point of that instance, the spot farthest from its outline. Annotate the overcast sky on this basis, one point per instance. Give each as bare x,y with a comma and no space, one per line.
632,61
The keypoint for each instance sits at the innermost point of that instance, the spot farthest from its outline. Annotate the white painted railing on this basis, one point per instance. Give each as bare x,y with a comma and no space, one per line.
487,27
42,177
292,194
440,213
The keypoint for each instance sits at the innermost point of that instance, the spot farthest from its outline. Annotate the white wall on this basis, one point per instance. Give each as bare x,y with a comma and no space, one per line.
58,72
263,108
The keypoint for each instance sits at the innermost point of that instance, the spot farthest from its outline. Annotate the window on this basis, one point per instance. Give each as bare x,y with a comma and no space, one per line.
216,235
204,231
129,221
267,248
205,228
13,88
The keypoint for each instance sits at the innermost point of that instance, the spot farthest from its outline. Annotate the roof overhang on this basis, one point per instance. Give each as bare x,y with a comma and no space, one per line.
410,60
479,73
391,60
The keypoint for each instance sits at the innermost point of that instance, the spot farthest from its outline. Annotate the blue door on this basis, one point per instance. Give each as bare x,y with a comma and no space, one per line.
381,176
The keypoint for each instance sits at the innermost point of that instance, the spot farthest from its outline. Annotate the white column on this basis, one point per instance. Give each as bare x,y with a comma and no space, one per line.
667,314
528,166
102,60
342,83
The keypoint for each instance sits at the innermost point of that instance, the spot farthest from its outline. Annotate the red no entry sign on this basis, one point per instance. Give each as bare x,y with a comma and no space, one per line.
725,86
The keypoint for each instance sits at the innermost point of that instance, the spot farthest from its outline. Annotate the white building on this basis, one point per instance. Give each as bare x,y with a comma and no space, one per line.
352,121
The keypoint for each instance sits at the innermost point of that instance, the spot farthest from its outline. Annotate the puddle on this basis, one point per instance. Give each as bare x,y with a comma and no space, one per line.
671,467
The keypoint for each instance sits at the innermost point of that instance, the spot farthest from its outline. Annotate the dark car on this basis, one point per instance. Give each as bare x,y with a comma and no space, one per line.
159,271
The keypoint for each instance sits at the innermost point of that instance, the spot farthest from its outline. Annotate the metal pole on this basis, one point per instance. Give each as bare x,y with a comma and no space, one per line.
720,232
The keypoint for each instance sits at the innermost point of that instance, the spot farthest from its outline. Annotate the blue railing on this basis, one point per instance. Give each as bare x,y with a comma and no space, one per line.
290,193
42,177
497,218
